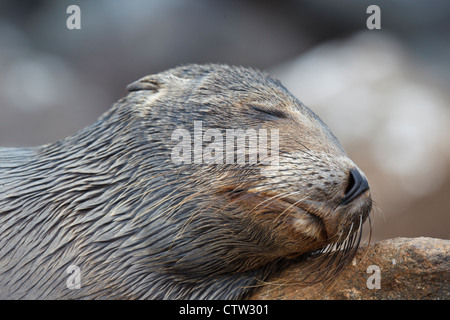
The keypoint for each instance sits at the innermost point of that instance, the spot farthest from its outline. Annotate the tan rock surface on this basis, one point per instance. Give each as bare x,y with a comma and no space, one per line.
409,268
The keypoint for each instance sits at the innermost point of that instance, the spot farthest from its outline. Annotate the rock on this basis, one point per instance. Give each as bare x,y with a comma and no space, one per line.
408,268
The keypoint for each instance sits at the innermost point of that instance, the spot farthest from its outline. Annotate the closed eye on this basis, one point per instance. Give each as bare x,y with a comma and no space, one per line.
272,112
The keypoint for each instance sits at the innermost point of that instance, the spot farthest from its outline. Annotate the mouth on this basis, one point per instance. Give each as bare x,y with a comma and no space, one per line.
331,229
308,218
302,215
322,222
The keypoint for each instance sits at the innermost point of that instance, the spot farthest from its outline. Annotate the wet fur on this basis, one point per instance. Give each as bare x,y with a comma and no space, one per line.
110,200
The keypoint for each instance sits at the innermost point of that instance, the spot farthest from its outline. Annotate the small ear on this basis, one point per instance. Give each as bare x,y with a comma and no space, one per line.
145,83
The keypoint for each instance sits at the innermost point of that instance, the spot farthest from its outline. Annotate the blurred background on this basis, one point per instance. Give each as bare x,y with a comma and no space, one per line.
384,93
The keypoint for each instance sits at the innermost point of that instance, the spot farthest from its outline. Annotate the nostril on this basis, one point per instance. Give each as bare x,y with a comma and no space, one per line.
357,184
351,183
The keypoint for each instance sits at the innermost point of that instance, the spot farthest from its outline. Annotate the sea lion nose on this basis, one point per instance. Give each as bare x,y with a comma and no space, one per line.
357,184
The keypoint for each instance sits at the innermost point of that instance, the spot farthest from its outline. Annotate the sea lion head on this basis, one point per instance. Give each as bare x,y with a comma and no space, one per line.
251,211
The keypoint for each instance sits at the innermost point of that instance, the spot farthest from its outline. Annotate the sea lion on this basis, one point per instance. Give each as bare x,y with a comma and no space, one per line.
112,204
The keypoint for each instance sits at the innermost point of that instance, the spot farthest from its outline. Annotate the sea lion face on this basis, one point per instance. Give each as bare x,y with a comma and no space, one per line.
314,196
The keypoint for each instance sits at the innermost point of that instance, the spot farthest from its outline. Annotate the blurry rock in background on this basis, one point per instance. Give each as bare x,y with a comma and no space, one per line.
55,81
384,93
